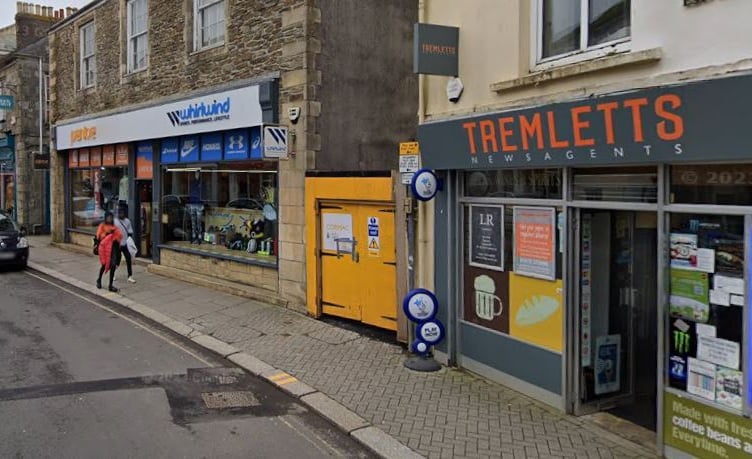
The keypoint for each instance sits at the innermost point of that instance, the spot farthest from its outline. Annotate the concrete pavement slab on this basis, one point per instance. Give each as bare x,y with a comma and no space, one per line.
215,345
384,445
335,412
250,363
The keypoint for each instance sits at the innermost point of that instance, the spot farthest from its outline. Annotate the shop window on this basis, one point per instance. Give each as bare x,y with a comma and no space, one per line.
88,58
228,209
93,192
579,29
636,184
138,34
512,272
209,23
726,184
526,183
706,308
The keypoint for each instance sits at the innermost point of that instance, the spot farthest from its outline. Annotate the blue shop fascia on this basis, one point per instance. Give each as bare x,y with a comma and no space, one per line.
191,173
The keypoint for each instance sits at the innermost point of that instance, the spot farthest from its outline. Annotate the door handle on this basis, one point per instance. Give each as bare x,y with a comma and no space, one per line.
353,244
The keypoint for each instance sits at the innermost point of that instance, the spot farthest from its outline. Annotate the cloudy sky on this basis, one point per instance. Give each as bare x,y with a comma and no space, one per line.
8,7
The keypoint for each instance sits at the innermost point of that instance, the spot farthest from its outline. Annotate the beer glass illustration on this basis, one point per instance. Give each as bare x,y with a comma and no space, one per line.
486,299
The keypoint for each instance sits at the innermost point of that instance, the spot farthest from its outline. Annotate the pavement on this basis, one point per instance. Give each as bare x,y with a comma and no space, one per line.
358,383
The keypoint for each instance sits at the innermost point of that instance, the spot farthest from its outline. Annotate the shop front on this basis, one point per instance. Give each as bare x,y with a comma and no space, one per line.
191,176
603,247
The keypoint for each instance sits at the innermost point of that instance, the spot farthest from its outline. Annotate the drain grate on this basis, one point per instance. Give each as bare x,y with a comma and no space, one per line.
233,399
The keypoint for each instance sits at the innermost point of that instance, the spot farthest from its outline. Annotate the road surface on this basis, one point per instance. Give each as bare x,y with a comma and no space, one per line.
80,378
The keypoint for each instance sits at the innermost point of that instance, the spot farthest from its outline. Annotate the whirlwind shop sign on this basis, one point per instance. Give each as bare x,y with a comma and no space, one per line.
226,110
703,431
661,124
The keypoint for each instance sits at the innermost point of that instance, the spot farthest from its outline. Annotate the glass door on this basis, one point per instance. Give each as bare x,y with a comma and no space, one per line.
616,313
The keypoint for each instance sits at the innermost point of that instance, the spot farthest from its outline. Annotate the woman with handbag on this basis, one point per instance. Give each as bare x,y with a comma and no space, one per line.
109,238
125,227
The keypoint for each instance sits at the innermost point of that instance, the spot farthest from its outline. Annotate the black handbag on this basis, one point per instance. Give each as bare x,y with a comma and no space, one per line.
96,246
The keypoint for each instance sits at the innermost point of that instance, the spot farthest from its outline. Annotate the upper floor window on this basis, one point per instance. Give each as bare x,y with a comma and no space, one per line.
138,34
209,23
571,27
88,62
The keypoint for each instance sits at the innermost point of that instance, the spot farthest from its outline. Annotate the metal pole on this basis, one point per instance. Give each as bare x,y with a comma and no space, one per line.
410,259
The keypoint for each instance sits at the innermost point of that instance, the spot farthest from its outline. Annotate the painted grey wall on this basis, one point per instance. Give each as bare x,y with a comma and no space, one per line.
531,364
368,93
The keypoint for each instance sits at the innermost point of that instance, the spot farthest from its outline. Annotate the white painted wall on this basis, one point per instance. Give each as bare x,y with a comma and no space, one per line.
495,45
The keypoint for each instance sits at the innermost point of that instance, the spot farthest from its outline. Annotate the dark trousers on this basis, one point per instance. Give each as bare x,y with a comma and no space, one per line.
113,264
128,262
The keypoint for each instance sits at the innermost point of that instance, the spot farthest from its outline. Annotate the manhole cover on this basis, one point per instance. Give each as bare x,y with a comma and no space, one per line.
234,399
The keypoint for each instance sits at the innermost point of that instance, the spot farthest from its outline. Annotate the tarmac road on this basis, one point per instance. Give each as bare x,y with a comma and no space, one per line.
80,378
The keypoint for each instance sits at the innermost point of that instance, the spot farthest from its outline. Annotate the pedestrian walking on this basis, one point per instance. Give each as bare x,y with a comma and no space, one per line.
108,243
125,227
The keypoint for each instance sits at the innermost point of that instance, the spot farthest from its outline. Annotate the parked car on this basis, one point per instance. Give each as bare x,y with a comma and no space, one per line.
14,247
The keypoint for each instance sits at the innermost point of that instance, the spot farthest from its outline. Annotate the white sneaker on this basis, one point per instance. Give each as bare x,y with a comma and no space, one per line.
131,280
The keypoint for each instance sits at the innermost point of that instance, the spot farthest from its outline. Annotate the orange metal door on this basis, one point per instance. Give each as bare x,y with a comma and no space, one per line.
358,263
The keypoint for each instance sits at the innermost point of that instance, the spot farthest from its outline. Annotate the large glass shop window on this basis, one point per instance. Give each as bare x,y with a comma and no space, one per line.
229,209
98,183
706,307
526,183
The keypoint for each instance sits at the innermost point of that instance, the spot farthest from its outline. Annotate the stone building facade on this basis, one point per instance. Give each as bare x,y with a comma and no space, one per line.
25,131
273,45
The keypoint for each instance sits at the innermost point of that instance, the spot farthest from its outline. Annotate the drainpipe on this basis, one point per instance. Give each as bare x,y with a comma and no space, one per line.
425,249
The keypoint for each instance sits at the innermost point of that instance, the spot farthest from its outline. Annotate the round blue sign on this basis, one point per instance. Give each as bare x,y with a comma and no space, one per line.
430,332
420,305
425,185
420,347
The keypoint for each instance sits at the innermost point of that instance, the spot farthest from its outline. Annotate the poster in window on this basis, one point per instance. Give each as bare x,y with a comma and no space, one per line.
95,156
486,298
487,237
122,154
536,311
108,155
535,242
728,387
683,250
83,157
682,344
690,295
73,159
607,364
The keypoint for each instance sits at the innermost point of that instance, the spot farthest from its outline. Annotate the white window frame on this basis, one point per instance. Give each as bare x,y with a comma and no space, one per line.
585,52
86,58
197,24
134,36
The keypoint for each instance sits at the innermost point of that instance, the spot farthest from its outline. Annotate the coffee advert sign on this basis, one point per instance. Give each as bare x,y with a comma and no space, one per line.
487,237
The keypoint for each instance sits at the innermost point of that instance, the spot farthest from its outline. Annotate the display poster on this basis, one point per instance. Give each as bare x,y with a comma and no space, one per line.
95,156
535,242
122,154
536,311
144,161
728,387
730,258
682,344
718,351
337,226
690,294
703,431
586,297
73,159
607,364
683,250
486,298
487,237
701,378
108,155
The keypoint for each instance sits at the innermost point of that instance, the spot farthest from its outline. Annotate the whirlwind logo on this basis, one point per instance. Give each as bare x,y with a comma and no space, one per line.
200,113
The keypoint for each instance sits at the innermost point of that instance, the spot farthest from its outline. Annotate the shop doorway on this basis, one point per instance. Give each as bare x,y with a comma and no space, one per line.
617,314
357,263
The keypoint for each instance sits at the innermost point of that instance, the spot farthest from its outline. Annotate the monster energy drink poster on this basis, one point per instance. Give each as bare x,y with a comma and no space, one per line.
682,346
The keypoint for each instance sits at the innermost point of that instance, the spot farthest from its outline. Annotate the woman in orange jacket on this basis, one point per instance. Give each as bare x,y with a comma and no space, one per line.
109,238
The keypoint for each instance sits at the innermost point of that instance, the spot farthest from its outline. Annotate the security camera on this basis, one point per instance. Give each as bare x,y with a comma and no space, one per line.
294,114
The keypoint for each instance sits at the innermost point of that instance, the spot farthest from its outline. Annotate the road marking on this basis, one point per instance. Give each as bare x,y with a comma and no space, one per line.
282,378
141,326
